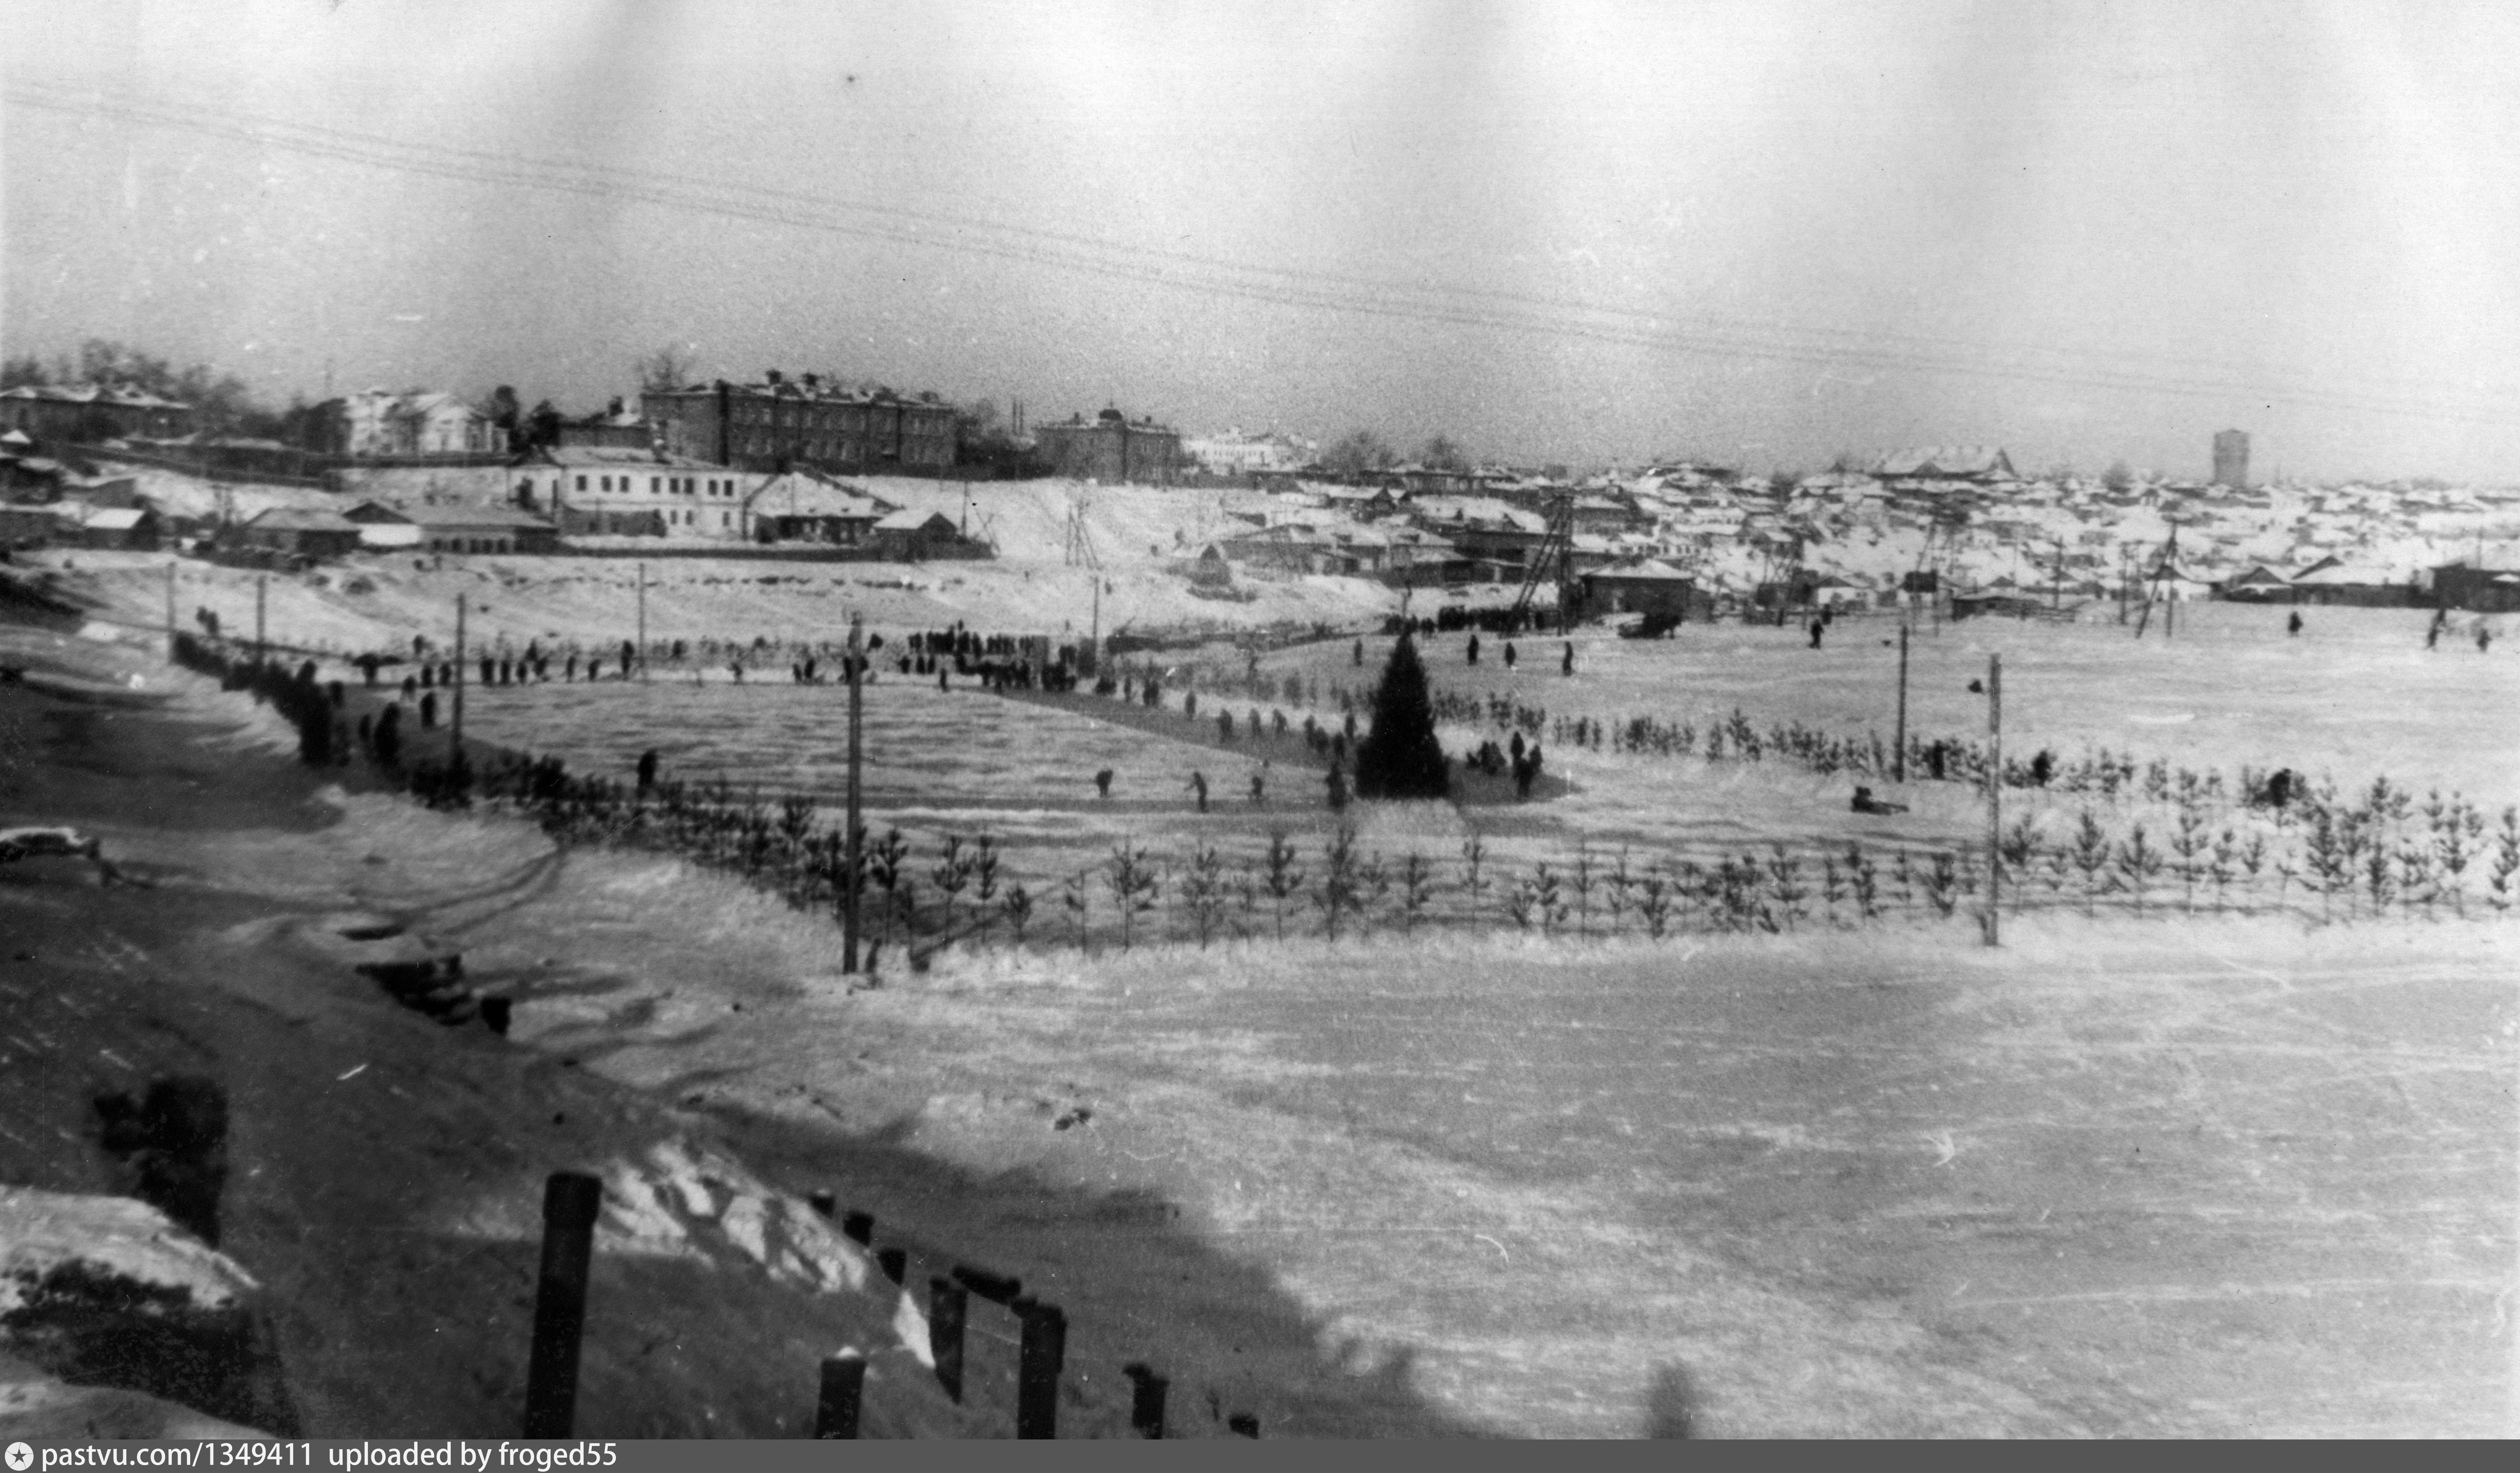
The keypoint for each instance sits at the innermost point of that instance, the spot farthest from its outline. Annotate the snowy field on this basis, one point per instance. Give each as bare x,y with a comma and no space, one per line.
2177,1177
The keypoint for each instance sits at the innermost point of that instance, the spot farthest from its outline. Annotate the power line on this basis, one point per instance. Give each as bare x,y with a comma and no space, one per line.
1208,276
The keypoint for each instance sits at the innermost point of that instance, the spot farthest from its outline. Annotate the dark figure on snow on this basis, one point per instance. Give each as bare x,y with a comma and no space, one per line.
2483,637
1103,783
647,769
368,669
489,670
1866,803
568,668
1474,649
941,679
2292,626
1508,654
629,653
1514,747
1358,659
410,686
1336,785
1566,666
1526,768
427,677
1260,787
428,710
388,738
1815,634
1198,781
2432,631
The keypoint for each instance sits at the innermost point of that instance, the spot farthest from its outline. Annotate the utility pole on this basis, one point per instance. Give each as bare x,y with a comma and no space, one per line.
170,608
849,879
642,623
1093,640
261,649
1994,798
454,726
1899,752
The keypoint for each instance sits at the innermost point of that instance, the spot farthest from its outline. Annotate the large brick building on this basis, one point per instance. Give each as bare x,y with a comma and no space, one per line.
1111,446
780,423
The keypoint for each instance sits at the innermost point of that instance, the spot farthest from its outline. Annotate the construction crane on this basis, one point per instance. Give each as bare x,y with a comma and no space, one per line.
1080,537
2157,586
1555,555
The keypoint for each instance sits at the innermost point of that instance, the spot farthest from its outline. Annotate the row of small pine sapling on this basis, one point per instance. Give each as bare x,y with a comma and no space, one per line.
2359,860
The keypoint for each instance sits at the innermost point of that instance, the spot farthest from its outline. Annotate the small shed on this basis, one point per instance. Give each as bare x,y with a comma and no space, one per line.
302,532
1637,586
908,535
132,529
462,529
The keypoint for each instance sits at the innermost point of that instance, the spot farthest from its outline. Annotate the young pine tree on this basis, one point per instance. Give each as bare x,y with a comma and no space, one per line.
1400,757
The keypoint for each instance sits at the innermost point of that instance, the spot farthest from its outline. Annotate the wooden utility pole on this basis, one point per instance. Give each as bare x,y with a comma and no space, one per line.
170,609
1994,798
1899,752
455,735
261,650
849,879
642,623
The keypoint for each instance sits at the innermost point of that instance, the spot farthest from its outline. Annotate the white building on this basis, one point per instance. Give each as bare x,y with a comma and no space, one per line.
378,423
600,491
1235,453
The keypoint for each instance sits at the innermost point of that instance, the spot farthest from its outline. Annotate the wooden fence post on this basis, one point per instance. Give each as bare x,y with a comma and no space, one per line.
571,1202
1043,1355
1146,1403
835,1414
894,1263
949,1308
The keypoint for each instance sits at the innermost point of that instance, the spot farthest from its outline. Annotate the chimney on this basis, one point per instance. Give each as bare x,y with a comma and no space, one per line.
813,381
770,376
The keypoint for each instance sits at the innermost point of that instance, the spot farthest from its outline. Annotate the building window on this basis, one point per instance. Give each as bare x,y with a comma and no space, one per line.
651,486
581,482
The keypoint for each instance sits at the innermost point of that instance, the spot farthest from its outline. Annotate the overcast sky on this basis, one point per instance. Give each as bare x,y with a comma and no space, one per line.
1763,231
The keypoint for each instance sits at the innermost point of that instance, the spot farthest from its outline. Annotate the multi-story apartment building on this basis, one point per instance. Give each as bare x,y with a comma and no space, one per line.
1110,446
780,423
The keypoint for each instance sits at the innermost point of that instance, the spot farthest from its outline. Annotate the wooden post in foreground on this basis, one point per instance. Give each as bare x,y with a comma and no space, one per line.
1044,1354
455,739
948,1310
170,608
1147,1401
849,880
1994,798
261,650
836,1413
571,1202
1899,752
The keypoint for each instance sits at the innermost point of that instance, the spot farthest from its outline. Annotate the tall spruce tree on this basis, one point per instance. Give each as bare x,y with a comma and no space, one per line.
1400,757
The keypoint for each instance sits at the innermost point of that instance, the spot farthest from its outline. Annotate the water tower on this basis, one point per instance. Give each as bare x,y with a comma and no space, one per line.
2232,459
